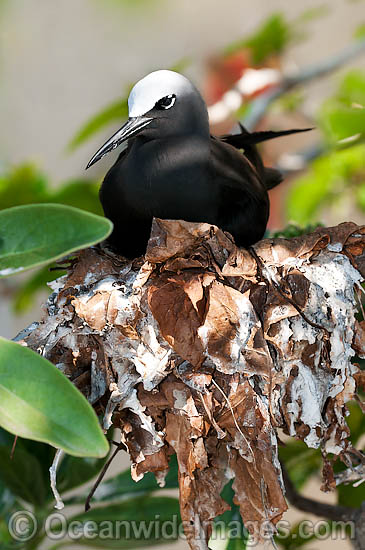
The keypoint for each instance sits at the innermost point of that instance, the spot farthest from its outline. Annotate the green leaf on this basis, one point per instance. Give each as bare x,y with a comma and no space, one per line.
38,402
300,461
275,34
22,475
36,234
360,32
24,184
24,295
271,38
7,542
72,472
80,194
342,122
351,496
297,537
22,472
291,230
115,112
306,197
75,471
327,179
229,525
142,522
343,115
355,422
352,88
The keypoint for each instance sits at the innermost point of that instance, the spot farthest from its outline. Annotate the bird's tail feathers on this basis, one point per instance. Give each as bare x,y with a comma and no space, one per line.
258,137
246,138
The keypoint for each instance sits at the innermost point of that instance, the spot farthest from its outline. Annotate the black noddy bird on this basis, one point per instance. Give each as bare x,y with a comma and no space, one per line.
173,168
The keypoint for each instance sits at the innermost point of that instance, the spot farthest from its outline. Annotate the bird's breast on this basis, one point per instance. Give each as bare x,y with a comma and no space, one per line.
170,180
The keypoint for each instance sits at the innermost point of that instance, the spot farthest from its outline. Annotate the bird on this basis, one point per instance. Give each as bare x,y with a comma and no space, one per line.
173,168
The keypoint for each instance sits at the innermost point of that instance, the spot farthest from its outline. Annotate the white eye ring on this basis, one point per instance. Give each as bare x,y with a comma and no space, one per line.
166,102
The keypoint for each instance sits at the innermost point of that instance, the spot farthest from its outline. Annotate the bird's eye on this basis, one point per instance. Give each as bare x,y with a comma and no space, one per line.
166,102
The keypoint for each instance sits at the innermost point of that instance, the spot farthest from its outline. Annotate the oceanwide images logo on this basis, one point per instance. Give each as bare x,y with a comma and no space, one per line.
23,526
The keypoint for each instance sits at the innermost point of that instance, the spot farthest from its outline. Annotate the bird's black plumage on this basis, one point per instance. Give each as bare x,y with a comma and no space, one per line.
174,169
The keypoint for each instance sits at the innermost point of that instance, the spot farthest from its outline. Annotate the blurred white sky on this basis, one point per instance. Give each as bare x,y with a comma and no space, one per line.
63,61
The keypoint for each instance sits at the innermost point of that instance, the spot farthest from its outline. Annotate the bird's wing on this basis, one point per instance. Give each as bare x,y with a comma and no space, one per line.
247,142
242,170
243,200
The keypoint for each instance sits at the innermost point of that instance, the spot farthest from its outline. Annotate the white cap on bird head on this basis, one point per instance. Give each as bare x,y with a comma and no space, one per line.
155,86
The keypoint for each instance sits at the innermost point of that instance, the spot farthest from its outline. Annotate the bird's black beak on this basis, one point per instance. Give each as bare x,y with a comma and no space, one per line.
132,127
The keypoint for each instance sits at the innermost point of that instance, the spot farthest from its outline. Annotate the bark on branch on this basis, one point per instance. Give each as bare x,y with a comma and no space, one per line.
329,511
204,350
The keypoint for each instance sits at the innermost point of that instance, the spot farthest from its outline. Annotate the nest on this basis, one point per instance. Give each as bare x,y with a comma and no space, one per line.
204,350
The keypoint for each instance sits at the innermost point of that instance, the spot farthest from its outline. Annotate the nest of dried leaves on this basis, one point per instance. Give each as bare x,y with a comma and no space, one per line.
205,350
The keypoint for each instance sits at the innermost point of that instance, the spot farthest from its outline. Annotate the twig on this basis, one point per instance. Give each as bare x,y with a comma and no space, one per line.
328,511
234,418
283,294
99,479
259,106
13,447
220,433
355,475
53,473
358,295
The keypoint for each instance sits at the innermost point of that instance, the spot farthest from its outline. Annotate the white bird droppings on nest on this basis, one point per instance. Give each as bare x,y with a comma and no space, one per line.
204,350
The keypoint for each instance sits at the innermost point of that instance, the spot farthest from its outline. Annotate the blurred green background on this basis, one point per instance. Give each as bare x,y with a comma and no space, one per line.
65,71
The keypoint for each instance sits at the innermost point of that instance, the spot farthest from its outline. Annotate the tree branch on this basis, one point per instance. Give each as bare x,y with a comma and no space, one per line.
329,511
259,106
311,506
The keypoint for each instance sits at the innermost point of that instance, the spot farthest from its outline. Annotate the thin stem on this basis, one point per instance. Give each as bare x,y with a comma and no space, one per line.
101,475
328,511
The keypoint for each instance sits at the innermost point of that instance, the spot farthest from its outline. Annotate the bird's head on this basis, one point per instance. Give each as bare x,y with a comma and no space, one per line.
161,105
